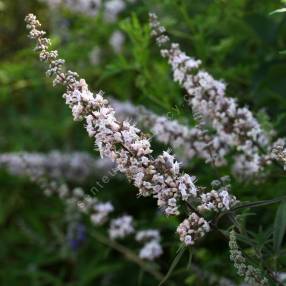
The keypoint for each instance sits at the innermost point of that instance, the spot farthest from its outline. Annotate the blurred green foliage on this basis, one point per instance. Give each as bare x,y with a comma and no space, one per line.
237,40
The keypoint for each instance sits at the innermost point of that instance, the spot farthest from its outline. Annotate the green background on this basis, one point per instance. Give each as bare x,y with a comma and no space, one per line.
237,40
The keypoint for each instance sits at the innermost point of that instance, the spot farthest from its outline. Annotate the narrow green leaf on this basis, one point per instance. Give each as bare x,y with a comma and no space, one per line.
258,204
189,265
140,277
279,227
176,260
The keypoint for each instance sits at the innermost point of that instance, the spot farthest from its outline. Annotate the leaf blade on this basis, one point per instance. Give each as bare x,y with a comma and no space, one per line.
174,264
279,227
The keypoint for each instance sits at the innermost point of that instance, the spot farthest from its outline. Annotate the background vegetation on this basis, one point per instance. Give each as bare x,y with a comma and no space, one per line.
236,40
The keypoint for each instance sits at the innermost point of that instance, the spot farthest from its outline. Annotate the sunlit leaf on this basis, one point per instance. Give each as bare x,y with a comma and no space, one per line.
282,10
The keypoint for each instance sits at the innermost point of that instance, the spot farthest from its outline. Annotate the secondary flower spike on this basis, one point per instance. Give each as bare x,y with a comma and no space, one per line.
235,126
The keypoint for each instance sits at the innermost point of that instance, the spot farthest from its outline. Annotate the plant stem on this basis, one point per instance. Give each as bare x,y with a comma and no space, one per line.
130,255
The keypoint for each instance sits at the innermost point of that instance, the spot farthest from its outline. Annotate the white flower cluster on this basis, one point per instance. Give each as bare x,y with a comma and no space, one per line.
251,275
147,235
192,229
116,41
152,248
96,210
103,209
189,142
235,126
278,151
121,227
75,166
216,201
122,142
76,198
219,199
281,276
95,55
110,8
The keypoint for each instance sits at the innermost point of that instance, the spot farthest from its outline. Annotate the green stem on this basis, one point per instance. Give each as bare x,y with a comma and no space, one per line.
130,255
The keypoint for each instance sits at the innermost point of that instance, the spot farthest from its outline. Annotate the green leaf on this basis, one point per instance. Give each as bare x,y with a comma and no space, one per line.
279,227
282,10
176,260
189,265
258,203
91,273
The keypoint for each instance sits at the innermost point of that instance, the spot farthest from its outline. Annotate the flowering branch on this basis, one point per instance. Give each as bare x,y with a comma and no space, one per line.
123,143
250,274
233,125
75,166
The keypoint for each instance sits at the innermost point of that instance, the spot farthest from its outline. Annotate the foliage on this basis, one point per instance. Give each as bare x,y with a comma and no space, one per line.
237,40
